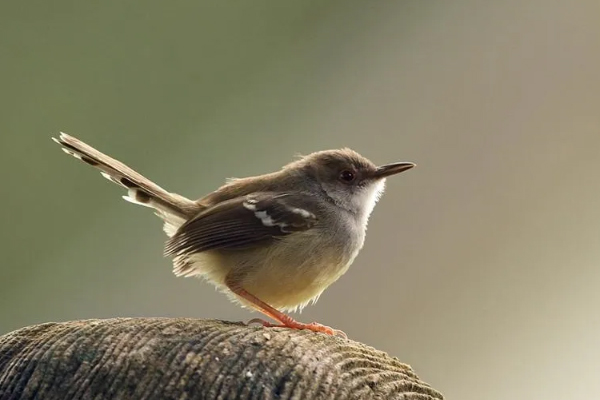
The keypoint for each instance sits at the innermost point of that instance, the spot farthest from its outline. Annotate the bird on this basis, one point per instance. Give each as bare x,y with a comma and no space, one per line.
273,242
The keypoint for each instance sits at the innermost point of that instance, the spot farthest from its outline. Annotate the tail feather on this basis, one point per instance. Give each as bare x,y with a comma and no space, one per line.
172,208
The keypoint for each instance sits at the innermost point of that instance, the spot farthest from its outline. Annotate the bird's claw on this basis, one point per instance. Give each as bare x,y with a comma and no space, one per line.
314,326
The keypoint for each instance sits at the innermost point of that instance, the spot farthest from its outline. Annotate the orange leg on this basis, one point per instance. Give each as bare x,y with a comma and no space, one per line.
285,320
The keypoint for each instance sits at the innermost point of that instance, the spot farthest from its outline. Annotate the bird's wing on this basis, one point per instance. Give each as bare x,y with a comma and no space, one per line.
243,222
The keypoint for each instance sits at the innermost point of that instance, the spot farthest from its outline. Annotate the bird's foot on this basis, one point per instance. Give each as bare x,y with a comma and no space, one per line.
293,324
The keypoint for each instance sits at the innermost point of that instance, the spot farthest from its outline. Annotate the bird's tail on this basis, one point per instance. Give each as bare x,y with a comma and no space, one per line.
172,208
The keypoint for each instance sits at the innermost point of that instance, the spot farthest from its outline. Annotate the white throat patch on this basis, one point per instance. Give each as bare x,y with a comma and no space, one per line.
369,198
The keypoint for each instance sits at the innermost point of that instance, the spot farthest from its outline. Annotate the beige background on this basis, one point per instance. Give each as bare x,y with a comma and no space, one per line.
481,265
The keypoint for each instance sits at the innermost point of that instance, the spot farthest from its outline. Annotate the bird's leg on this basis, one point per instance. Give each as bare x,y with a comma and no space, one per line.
271,312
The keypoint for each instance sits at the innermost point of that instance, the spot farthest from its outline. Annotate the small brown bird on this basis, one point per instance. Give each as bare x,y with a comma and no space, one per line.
272,242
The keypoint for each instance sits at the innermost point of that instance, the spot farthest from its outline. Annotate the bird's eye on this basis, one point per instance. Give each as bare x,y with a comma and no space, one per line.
347,176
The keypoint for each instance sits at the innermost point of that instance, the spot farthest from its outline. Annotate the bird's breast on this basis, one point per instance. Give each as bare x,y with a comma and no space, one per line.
295,270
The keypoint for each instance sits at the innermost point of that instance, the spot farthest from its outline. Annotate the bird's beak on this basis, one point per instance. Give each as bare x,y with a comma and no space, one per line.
392,169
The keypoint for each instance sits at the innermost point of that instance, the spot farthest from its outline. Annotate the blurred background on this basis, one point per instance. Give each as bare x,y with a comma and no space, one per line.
481,265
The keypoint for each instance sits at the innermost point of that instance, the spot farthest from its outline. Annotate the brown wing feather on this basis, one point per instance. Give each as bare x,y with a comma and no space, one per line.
242,222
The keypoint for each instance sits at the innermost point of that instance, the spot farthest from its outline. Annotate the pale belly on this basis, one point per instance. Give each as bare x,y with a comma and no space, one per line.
286,276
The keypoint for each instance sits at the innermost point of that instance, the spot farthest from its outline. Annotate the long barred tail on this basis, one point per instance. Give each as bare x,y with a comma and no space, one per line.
172,208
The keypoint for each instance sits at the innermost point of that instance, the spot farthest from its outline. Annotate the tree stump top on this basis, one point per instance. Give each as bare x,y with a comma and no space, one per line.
179,358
